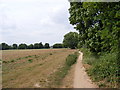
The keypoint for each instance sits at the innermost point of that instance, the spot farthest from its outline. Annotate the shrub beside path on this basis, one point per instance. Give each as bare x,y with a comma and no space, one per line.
81,79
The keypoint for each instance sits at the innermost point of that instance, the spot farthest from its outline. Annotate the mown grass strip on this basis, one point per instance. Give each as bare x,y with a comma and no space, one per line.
26,57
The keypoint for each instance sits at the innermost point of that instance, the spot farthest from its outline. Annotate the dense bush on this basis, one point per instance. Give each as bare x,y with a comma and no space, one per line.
106,69
89,58
103,68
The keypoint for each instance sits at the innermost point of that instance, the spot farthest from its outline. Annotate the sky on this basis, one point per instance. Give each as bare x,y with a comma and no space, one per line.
34,21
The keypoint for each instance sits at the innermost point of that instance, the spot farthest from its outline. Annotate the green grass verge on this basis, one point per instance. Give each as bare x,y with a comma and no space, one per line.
104,69
63,71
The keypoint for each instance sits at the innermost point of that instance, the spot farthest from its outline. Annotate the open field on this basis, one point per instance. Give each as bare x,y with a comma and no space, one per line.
32,68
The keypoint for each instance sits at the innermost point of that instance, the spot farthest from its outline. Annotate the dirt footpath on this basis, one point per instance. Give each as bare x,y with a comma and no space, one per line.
81,79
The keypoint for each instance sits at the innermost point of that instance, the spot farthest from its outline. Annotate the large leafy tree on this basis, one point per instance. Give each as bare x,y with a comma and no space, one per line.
97,23
15,46
46,45
36,46
22,46
4,46
41,45
71,40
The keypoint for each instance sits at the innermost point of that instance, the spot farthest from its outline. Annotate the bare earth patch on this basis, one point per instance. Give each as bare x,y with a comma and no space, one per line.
37,85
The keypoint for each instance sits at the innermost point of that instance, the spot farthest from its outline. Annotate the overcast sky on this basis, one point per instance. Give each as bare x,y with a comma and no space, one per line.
31,21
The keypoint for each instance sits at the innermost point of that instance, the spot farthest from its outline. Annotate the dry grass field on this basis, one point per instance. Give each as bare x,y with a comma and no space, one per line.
31,68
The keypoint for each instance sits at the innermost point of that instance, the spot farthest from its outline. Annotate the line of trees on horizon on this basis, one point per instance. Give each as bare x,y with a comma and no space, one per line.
5,46
70,41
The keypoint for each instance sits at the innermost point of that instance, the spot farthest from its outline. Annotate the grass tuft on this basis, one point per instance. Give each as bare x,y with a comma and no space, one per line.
71,59
5,62
30,60
12,60
51,54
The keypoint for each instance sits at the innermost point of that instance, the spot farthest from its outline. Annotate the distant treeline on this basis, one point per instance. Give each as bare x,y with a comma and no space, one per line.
70,41
4,46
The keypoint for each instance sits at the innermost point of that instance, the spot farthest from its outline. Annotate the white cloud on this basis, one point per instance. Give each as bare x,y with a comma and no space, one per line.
33,21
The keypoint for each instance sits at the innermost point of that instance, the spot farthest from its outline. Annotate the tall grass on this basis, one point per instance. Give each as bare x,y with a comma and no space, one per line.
71,59
104,68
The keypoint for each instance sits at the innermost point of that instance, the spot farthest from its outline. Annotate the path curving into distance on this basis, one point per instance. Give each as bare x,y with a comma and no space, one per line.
81,79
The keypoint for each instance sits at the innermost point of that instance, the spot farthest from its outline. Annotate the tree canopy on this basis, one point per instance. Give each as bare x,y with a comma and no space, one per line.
4,46
71,40
30,46
15,46
46,45
98,24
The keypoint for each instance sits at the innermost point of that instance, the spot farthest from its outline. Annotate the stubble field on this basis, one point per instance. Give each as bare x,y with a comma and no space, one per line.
32,68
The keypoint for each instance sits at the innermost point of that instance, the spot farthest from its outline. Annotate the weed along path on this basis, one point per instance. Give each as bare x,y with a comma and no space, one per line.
81,79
